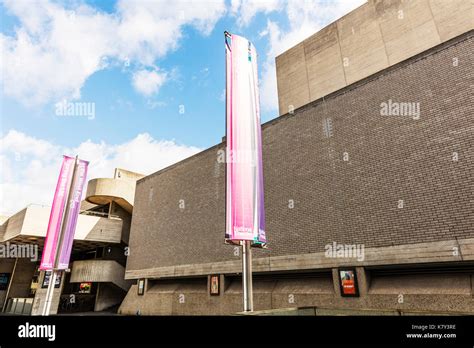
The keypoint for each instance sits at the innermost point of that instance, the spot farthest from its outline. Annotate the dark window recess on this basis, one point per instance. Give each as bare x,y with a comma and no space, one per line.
274,276
184,280
99,252
422,269
101,209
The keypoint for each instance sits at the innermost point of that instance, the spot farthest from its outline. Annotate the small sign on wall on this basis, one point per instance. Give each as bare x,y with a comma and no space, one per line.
85,288
214,285
141,287
47,277
348,282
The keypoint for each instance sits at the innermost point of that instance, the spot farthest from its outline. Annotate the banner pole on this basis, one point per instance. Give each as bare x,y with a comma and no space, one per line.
55,272
250,276
49,293
247,276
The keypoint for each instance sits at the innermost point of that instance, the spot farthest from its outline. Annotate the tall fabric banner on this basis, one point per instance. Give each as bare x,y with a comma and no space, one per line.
245,212
64,213
73,213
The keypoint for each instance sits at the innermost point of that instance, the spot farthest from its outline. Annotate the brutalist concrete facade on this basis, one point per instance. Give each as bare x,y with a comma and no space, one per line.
378,34
341,169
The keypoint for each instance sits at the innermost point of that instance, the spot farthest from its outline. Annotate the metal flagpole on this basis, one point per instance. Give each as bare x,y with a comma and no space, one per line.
55,272
247,276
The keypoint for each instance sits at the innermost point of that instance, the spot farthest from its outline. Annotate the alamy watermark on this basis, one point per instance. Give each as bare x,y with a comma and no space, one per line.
238,156
27,251
337,250
28,330
85,109
394,108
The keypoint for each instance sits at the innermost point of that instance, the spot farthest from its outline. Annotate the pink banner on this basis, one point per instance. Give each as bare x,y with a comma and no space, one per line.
73,213
61,216
245,212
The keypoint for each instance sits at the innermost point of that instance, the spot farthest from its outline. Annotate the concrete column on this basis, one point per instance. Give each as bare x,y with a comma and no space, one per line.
335,282
363,278
40,296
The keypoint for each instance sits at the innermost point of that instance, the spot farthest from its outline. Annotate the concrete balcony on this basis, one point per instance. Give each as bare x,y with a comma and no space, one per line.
30,226
100,271
105,190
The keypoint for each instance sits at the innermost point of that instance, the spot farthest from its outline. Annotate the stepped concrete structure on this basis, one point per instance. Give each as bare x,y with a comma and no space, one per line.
96,279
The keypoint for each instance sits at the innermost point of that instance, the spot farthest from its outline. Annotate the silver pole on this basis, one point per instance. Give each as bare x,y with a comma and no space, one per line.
49,292
247,276
55,271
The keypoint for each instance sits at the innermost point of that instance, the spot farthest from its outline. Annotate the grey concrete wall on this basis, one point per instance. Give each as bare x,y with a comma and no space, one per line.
117,211
14,225
33,221
376,35
108,295
99,271
6,266
440,292
20,280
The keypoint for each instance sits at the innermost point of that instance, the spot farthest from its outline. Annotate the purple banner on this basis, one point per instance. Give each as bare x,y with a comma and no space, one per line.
245,212
61,216
72,215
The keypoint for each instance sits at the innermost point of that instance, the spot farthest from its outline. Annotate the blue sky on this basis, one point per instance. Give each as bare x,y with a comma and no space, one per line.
154,71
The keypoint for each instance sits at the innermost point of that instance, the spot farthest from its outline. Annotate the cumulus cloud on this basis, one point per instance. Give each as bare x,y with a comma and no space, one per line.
56,49
30,166
148,82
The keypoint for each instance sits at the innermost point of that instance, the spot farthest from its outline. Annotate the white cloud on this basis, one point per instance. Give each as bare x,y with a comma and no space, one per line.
305,18
30,166
246,10
56,49
151,29
148,82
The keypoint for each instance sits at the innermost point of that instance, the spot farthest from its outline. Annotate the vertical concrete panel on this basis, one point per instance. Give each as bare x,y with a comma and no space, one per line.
324,63
293,79
21,280
407,29
452,17
6,266
361,60
108,295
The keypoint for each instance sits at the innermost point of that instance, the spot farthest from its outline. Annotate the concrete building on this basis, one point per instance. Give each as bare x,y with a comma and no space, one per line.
96,278
373,152
369,169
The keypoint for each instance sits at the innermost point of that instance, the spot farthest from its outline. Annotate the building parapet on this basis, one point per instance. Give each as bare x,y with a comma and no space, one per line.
375,36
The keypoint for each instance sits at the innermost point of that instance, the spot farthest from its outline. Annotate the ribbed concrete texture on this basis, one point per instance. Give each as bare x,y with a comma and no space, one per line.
377,35
102,271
